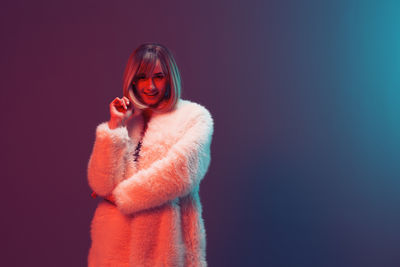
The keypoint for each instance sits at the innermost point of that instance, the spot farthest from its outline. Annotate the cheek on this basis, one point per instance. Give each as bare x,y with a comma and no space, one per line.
162,85
139,91
139,87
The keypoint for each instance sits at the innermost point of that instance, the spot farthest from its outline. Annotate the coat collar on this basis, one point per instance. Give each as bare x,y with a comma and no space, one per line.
135,123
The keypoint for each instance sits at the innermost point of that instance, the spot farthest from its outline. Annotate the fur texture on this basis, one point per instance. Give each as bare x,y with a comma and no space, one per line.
157,220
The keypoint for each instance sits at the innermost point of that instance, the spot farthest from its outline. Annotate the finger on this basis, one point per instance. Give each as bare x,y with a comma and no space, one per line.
117,106
127,101
123,104
119,103
113,102
116,102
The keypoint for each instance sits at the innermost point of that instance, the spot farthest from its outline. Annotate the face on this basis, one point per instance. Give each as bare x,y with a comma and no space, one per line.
151,87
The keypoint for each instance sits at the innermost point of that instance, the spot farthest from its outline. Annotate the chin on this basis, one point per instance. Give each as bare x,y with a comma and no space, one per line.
152,102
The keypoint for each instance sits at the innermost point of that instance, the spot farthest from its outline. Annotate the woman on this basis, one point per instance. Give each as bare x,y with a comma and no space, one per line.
147,163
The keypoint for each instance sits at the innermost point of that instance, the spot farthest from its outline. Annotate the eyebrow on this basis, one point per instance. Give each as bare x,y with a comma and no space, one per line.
158,73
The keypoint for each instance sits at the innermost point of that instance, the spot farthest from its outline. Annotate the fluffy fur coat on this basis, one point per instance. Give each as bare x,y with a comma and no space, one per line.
157,219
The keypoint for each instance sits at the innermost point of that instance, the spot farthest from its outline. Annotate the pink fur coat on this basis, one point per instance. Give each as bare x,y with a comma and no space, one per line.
157,219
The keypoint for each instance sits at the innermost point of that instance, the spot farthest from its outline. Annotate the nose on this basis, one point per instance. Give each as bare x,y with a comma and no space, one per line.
150,84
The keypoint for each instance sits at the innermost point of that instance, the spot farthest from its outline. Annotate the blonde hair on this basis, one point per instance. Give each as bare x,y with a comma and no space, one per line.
143,60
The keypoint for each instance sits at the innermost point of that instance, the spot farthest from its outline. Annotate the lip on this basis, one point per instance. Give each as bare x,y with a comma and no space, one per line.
154,94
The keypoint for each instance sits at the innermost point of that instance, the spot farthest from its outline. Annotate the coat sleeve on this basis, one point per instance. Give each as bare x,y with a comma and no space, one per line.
107,163
175,175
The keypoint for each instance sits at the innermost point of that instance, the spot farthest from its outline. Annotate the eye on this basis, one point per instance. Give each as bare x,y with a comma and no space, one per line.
159,77
140,77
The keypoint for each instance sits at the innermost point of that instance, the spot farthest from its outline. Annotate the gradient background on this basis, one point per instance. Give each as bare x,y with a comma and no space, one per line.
305,98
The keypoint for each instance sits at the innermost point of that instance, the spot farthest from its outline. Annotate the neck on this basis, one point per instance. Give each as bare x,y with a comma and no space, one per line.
147,113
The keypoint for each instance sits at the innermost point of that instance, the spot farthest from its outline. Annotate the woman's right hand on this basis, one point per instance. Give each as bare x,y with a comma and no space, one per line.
120,110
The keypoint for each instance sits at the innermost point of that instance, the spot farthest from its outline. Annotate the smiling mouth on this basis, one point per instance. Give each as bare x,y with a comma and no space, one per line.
156,93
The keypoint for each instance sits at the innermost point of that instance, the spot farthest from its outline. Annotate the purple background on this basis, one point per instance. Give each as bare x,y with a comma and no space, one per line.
305,98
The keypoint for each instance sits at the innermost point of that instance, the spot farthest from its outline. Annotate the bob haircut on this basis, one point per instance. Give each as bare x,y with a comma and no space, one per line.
143,61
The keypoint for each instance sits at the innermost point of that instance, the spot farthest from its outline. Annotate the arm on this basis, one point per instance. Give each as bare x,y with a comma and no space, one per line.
175,175
107,164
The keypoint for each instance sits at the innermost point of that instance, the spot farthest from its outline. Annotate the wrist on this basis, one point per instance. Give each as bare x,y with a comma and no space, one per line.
114,124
